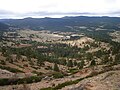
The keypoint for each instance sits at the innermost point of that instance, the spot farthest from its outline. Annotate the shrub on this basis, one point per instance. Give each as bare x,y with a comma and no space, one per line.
73,71
3,62
58,75
20,81
56,68
14,70
49,88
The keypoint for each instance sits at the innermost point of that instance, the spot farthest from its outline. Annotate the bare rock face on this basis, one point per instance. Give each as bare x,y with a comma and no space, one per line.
106,81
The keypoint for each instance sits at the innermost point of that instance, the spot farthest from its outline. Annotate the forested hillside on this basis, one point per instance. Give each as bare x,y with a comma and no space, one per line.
65,23
3,26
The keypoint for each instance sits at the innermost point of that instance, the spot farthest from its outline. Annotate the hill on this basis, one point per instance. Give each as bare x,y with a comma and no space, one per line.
69,53
65,23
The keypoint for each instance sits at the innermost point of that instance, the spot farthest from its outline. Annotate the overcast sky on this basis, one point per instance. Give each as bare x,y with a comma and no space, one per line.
58,8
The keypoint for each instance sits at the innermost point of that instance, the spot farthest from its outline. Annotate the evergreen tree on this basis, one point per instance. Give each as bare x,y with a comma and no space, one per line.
75,63
117,59
9,59
56,68
18,56
70,63
110,60
105,59
65,62
81,64
93,63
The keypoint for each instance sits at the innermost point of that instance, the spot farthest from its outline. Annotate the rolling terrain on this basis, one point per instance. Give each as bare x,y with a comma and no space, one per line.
69,53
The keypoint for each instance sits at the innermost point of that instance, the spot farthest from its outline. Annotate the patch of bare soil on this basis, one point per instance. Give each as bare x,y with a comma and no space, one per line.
80,42
106,81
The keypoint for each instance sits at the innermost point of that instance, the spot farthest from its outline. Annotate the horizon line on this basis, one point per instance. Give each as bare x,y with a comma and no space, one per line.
32,17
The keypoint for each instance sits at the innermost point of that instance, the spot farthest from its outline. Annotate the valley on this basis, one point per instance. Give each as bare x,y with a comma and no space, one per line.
78,56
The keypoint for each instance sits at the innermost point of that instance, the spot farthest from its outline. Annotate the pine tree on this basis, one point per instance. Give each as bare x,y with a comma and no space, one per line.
9,59
18,56
93,63
117,59
105,59
75,63
56,68
111,60
70,63
81,64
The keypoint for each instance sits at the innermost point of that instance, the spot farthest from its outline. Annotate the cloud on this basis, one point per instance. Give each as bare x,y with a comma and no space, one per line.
58,13
4,12
41,14
57,8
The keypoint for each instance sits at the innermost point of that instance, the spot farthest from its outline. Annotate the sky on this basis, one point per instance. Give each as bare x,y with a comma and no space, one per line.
58,8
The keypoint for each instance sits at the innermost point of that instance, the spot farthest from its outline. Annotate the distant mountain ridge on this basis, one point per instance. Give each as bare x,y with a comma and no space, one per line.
62,24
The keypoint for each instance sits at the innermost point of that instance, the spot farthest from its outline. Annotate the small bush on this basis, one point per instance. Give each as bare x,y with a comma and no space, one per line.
20,81
58,75
73,71
38,73
3,62
14,70
49,88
